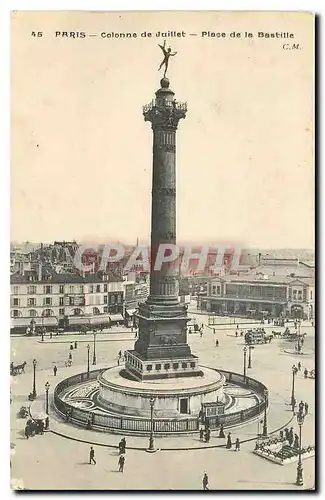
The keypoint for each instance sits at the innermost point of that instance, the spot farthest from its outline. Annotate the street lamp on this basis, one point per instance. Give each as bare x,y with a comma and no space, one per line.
34,378
47,387
250,356
293,386
94,354
88,367
266,401
151,447
245,354
300,479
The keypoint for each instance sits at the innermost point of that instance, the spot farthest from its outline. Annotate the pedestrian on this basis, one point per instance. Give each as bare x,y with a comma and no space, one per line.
121,462
92,456
55,369
301,407
118,361
51,335
207,435
217,343
294,402
41,427
120,354
237,445
299,366
201,434
290,436
71,347
26,432
237,327
123,445
221,432
306,373
296,441
286,432
75,345
241,333
214,331
302,341
70,356
229,443
306,408
205,481
236,333
281,435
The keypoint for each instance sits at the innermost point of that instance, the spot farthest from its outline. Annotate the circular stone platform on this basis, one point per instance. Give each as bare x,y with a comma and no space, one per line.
78,401
174,397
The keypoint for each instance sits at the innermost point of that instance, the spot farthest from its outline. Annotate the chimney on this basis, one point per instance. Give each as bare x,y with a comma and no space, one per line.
40,271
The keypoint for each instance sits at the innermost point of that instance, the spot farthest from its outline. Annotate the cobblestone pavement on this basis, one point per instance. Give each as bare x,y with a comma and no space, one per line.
55,462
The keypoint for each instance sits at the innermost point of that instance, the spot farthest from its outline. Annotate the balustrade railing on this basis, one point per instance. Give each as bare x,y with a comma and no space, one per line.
80,416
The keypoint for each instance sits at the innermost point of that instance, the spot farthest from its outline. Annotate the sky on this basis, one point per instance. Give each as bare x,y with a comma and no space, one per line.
81,155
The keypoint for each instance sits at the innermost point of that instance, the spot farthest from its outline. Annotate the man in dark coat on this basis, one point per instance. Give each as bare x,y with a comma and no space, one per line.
92,456
205,481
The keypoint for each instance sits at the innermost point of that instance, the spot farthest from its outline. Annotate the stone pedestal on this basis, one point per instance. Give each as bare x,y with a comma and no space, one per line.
174,398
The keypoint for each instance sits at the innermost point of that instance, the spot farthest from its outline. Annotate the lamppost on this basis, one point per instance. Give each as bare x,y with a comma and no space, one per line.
151,447
245,354
34,378
88,367
266,401
94,354
47,387
300,479
293,386
250,356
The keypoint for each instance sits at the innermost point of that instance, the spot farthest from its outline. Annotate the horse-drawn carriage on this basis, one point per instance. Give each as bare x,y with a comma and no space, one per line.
18,369
257,336
36,425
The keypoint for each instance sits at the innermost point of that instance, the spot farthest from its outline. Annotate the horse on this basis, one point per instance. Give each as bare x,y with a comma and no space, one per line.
20,368
14,370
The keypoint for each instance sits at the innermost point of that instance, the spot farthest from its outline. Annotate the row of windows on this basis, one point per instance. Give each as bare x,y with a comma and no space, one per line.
246,291
70,301
48,289
32,313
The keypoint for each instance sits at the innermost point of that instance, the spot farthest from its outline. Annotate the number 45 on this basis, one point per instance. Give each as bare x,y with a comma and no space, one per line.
37,33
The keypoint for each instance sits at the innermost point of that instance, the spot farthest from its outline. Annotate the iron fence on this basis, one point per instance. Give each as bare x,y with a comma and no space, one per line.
140,425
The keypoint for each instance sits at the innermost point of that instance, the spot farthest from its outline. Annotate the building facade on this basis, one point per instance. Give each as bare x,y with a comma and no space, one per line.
256,296
64,299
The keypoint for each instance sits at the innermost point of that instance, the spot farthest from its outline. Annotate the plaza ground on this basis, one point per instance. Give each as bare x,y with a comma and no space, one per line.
55,462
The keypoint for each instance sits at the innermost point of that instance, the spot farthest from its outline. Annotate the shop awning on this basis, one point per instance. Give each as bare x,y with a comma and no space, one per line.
130,311
116,317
